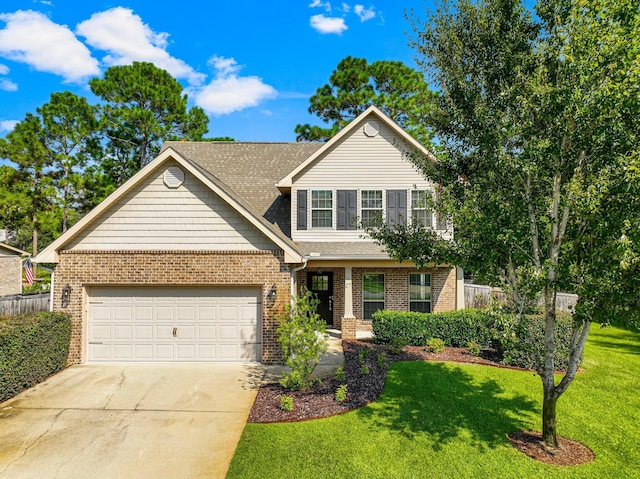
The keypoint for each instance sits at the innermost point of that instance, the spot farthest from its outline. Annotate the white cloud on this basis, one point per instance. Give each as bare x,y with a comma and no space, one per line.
327,25
8,125
8,85
4,69
320,4
364,13
126,39
346,8
30,37
229,92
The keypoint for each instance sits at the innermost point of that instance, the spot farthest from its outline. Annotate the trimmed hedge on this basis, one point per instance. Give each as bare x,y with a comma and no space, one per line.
520,343
32,347
455,328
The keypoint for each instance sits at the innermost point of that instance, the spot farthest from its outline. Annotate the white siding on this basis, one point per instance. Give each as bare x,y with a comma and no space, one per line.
153,216
359,162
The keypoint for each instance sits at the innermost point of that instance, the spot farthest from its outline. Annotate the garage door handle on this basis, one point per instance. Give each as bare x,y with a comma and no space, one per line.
175,332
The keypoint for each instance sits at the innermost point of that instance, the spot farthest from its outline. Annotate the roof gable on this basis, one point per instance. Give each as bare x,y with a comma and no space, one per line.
50,254
5,248
372,113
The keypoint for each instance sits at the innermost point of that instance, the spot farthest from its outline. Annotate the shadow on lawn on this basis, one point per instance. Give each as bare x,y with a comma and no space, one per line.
445,402
623,342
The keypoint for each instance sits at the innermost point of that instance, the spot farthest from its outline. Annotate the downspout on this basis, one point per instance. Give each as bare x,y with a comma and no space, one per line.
294,283
52,287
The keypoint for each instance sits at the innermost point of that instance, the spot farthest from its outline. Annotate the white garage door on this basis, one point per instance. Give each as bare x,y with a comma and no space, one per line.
173,324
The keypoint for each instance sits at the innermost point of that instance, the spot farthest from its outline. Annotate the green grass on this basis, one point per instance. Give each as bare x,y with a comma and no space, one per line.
444,420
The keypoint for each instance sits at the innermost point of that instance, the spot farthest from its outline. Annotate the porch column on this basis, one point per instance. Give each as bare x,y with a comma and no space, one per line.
348,320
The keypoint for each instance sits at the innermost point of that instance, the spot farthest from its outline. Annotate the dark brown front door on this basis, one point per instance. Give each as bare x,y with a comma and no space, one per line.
321,284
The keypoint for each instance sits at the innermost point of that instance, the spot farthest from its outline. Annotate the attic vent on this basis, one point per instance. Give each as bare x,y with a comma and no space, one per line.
371,128
173,177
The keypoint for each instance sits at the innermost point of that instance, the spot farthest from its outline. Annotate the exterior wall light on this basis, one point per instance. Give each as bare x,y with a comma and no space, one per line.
66,296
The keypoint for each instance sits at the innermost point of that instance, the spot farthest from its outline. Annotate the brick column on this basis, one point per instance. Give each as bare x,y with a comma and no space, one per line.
348,320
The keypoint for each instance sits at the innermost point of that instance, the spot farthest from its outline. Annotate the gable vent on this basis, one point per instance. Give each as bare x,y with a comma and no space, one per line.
371,128
173,177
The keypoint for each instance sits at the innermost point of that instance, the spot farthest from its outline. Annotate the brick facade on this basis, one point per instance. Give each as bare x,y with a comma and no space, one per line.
265,269
396,285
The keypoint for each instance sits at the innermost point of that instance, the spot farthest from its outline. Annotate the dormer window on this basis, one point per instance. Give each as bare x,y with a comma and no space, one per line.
322,209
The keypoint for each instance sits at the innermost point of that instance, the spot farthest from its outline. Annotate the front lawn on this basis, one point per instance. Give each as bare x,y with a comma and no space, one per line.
446,420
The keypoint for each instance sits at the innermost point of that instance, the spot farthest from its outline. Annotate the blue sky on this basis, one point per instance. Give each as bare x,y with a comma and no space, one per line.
251,65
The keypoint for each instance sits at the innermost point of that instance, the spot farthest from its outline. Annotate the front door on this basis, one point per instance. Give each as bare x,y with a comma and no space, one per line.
321,284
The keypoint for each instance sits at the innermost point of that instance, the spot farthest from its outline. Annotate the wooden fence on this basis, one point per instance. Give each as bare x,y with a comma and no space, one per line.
27,303
479,296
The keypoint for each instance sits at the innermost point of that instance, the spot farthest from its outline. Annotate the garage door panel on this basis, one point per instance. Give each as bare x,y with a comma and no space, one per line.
142,313
248,333
137,324
100,332
165,313
143,332
164,331
122,352
206,332
164,352
143,352
185,313
122,332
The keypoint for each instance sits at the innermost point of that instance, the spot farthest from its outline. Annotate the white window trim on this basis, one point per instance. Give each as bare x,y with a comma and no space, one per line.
332,209
382,208
412,209
384,283
409,291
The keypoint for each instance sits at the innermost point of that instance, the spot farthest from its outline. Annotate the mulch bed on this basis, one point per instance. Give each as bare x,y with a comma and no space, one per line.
319,400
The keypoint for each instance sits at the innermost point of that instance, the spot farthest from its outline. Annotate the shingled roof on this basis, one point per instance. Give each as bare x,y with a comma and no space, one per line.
250,171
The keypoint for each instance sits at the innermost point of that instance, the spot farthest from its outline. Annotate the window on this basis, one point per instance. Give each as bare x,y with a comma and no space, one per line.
420,213
371,206
420,292
372,294
322,209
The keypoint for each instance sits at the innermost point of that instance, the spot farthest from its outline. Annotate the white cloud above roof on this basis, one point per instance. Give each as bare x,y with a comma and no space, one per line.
364,13
328,25
126,38
8,125
229,92
54,49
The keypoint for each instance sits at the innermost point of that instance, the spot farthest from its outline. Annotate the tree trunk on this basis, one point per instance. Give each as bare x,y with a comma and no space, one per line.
549,433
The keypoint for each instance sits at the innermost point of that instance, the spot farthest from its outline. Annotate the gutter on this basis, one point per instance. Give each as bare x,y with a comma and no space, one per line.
294,285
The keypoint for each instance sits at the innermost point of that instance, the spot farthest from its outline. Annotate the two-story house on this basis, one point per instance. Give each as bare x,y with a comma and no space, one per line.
196,256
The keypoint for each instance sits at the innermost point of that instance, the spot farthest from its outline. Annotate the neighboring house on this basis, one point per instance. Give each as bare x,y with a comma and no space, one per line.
10,269
194,258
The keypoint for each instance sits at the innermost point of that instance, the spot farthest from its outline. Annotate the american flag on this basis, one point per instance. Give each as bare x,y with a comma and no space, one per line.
28,271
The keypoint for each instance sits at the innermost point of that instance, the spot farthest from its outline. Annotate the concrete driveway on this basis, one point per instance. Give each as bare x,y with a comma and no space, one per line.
128,421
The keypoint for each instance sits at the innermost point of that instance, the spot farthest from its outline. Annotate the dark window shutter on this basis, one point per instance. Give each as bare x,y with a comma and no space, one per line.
347,209
302,210
396,207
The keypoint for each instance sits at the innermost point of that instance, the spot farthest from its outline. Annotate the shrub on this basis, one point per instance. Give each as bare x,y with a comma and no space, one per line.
520,342
474,348
435,345
301,337
286,403
341,393
364,369
32,348
362,354
397,345
456,328
382,360
340,375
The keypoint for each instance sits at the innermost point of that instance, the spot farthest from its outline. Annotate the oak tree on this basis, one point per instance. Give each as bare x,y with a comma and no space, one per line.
538,120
